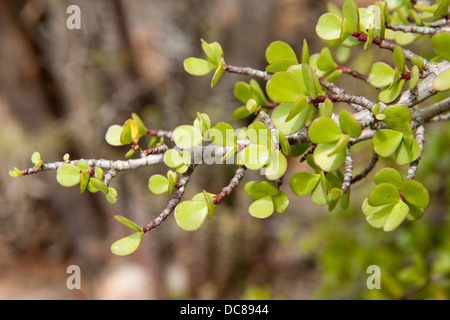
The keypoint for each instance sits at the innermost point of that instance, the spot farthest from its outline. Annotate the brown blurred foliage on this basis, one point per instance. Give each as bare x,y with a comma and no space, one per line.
61,89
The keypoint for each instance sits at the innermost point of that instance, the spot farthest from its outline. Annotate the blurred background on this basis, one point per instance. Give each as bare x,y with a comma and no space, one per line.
61,89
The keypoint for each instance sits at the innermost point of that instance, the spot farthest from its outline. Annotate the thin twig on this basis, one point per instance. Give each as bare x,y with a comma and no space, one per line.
247,71
176,198
348,172
420,137
417,29
239,174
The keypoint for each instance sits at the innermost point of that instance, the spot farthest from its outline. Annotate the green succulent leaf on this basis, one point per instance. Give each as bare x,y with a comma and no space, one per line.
255,156
442,81
280,49
187,136
158,184
303,183
396,216
384,194
258,133
415,193
389,95
111,196
381,75
442,9
386,141
223,134
351,13
325,62
257,190
127,245
324,130
441,44
128,223
277,166
376,216
142,129
99,185
213,51
349,124
242,91
406,153
388,175
414,77
262,208
191,214
219,72
198,67
281,113
113,134
328,157
329,27
202,122
84,180
319,195
397,116
173,159
15,173
68,175
399,59
281,202
284,87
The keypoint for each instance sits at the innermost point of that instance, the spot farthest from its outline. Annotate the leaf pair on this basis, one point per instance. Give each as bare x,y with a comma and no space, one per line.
129,244
189,136
393,200
159,184
35,159
382,75
69,175
214,61
280,57
264,152
331,142
132,130
191,214
267,199
289,86
252,96
179,161
324,188
400,140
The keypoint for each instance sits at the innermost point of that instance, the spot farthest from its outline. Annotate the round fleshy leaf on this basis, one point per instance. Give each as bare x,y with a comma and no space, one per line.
407,153
158,184
202,122
36,159
142,129
303,183
388,175
415,193
127,245
396,216
213,51
349,124
442,81
329,27
399,59
320,196
198,67
113,134
281,64
386,141
262,208
325,62
242,91
441,44
324,130
396,116
389,95
281,113
219,71
240,113
257,190
258,133
190,215
277,166
283,87
187,137
68,175
258,93
255,156
173,159
414,77
111,196
209,203
309,81
130,132
128,223
376,216
298,106
351,13
99,185
281,202
327,157
84,180
223,134
251,106
381,75
383,194
279,49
